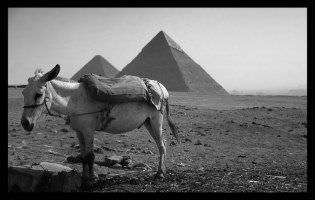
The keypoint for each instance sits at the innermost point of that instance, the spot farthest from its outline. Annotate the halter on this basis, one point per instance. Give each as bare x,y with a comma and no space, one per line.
45,103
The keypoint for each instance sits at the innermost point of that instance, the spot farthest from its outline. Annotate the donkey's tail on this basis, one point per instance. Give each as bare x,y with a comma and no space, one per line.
173,127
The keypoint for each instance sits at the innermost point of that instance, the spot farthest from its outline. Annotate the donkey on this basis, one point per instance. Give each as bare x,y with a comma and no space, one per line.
72,99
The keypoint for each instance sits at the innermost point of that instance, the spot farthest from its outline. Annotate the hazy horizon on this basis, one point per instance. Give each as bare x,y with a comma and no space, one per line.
241,48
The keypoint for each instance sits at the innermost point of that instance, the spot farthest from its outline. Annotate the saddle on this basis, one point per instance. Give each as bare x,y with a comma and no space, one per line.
124,89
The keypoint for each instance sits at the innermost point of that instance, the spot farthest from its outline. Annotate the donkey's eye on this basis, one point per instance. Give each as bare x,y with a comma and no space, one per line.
38,95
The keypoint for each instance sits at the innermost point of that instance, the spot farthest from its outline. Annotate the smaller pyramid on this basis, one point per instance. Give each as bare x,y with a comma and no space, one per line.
98,65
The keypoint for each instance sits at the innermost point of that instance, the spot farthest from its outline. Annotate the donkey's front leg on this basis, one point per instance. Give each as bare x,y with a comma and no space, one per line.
86,139
88,157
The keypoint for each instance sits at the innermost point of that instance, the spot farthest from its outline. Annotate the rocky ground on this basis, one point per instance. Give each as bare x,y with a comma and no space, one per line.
238,144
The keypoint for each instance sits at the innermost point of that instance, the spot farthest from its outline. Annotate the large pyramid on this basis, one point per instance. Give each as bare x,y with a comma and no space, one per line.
98,65
164,60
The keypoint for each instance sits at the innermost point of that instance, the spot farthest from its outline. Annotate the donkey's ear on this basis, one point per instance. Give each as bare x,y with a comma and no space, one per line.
52,74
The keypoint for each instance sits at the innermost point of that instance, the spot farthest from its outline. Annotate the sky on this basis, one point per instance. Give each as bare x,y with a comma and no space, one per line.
241,48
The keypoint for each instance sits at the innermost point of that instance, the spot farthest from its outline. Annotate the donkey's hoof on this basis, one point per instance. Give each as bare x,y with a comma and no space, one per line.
159,176
88,183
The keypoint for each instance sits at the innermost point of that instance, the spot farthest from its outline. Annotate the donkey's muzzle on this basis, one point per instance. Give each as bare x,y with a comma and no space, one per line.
27,125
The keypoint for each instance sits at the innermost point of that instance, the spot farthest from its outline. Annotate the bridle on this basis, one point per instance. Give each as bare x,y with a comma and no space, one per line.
45,103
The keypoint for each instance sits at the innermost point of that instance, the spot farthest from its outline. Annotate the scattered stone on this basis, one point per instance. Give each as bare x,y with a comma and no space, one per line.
14,129
98,149
198,142
206,145
64,130
201,169
147,152
9,145
186,150
278,135
126,161
54,152
181,164
108,149
269,109
280,177
53,131
142,166
253,181
39,133
72,145
74,159
43,177
172,143
201,133
187,140
241,156
149,141
290,130
47,146
116,165
112,160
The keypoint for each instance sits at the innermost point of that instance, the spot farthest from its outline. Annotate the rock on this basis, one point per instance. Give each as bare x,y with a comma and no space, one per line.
149,141
201,169
112,160
253,181
64,130
98,150
187,140
43,177
142,166
54,152
181,164
147,152
172,143
198,142
53,131
74,159
126,161
108,149
206,145
72,144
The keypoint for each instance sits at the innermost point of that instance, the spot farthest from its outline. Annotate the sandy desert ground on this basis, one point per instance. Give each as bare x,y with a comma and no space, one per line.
232,144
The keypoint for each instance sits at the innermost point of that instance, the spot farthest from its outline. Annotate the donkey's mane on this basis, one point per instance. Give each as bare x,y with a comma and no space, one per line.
65,79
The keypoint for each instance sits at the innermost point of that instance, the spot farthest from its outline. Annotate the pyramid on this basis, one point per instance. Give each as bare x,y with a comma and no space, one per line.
162,59
98,65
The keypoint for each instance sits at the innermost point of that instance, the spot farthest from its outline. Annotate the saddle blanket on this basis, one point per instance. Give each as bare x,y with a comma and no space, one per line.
125,89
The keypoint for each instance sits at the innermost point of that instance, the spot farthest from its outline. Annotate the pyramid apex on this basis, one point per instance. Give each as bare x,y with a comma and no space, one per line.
98,56
161,32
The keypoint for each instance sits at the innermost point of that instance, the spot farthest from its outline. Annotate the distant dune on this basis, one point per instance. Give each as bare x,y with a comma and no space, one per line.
281,92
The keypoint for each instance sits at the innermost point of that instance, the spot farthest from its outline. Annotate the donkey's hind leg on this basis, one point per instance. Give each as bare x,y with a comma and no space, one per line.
154,126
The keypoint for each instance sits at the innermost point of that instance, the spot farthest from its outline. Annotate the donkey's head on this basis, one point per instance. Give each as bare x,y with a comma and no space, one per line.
36,97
